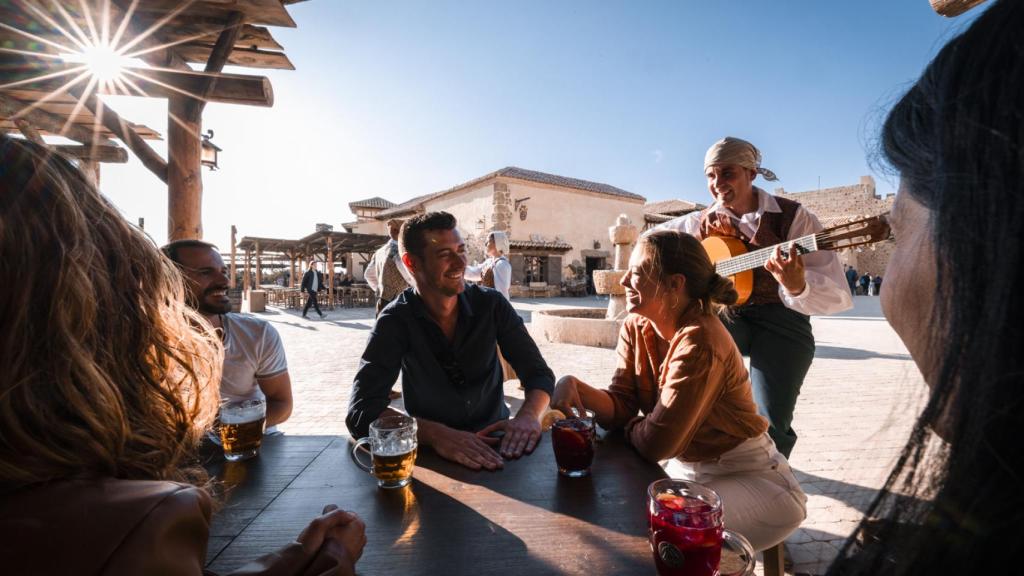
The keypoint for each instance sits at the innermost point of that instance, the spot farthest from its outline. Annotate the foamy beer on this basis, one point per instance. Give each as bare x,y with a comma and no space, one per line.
392,443
241,427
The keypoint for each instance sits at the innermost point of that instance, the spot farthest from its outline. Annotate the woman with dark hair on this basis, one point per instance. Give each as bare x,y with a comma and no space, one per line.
954,502
679,367
108,383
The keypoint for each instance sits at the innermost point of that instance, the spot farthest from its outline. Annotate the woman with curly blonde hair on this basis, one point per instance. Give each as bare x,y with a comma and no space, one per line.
108,383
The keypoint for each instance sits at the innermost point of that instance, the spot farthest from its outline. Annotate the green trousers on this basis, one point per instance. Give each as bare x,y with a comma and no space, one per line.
780,345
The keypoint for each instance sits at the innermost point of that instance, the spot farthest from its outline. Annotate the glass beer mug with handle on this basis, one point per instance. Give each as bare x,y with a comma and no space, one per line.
687,535
392,441
241,426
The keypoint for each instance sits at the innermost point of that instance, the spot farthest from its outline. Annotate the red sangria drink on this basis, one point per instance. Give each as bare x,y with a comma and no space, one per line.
573,441
685,528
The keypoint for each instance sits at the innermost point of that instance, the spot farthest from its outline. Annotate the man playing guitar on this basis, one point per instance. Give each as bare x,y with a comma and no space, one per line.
773,327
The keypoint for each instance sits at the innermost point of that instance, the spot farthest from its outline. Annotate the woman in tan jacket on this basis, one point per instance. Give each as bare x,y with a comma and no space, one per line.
108,383
680,369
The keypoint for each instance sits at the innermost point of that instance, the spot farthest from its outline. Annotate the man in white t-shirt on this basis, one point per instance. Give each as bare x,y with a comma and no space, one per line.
254,361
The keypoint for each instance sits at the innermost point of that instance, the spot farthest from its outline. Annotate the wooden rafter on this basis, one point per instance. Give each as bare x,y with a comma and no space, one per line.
107,117
165,83
29,131
13,108
105,153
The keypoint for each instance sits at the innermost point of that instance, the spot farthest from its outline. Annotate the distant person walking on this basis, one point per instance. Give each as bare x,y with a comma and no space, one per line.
865,284
312,284
876,285
386,273
851,279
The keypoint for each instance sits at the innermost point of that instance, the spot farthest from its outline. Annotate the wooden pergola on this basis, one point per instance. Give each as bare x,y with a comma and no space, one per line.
44,91
327,244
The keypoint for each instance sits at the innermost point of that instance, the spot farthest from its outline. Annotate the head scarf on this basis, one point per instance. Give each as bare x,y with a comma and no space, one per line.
731,150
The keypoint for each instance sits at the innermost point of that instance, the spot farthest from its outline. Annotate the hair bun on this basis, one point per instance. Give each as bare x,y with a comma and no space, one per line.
722,291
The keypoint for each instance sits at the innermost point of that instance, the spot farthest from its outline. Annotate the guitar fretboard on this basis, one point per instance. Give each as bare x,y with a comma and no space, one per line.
757,258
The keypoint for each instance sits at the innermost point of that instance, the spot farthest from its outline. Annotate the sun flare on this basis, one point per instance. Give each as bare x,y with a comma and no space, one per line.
104,62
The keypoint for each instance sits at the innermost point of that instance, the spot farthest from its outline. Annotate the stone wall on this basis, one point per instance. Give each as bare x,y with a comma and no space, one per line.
842,202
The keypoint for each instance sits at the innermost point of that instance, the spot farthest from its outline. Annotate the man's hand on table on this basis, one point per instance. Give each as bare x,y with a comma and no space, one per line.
471,450
521,434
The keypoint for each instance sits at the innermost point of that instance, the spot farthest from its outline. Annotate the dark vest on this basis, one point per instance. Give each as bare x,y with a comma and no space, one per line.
772,229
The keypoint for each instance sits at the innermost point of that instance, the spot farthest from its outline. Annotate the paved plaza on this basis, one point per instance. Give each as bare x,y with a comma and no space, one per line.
855,410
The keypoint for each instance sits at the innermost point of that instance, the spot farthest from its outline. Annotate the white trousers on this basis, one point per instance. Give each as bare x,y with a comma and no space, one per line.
761,498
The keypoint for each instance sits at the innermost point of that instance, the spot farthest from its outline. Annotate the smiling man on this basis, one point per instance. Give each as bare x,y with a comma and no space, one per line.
442,335
254,361
773,327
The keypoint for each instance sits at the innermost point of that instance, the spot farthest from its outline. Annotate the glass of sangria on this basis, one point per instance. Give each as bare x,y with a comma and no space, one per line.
686,531
573,442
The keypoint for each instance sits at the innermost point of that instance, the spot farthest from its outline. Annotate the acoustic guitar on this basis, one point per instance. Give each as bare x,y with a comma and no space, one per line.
732,259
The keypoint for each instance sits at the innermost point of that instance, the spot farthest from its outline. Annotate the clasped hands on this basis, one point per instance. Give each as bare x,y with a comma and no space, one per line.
476,450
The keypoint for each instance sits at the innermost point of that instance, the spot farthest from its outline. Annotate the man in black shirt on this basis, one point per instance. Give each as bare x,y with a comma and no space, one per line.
442,336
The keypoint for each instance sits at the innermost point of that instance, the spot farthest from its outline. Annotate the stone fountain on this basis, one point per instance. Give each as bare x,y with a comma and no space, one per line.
593,326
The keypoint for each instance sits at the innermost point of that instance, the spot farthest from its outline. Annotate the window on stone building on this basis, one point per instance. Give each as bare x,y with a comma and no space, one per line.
535,269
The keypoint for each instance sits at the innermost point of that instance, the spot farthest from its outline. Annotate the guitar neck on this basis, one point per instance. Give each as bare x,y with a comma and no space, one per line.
758,258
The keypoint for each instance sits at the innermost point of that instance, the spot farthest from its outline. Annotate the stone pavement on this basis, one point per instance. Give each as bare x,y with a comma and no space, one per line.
857,405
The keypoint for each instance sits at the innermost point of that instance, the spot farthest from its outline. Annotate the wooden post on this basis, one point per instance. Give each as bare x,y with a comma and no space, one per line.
233,232
91,169
247,279
330,272
184,181
259,265
291,262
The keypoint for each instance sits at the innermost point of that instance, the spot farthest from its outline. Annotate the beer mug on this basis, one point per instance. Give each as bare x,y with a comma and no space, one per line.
392,443
241,427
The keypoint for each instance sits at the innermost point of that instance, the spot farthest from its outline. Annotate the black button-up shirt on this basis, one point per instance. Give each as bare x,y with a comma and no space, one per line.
458,384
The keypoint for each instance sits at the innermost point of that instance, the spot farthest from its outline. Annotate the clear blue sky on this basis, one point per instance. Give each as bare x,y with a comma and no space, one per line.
402,98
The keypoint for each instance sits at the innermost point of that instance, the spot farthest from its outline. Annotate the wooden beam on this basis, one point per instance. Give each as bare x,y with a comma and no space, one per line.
29,131
219,55
267,12
190,31
259,265
16,109
233,250
330,272
105,153
166,83
184,180
121,128
291,277
247,278
240,56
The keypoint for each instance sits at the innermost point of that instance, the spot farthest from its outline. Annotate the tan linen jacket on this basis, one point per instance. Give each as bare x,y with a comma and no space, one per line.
694,393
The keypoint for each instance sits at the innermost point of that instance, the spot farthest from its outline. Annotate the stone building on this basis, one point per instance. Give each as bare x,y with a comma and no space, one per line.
837,205
557,226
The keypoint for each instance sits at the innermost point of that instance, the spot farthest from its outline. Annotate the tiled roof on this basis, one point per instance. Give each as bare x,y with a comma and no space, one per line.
555,180
375,202
671,207
659,218
517,173
531,245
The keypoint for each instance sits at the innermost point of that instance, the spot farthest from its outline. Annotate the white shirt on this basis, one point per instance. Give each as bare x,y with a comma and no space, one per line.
502,273
827,291
252,350
371,267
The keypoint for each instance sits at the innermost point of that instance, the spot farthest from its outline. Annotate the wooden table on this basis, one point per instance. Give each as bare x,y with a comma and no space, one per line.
525,519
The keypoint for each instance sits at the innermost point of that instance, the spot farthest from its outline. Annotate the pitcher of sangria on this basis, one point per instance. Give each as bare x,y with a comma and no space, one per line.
686,532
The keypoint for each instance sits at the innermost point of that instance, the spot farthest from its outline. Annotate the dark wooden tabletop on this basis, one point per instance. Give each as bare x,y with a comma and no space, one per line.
524,519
